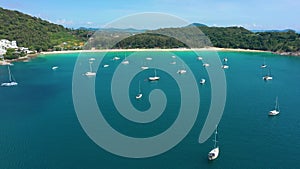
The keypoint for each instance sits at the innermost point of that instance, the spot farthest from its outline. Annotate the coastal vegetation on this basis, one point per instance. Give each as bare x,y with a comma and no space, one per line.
223,37
13,54
35,33
40,35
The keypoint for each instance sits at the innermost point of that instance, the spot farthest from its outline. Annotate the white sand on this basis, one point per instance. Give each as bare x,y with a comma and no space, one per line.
140,50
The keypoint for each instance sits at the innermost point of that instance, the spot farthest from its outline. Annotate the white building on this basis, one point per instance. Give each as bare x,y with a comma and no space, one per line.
2,51
5,44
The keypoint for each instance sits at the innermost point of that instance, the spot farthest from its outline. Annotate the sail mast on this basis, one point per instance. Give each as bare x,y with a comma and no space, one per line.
276,104
216,132
9,74
139,86
90,66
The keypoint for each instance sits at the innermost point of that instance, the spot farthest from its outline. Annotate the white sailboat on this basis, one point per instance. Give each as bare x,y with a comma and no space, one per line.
125,61
144,67
214,153
205,64
173,58
225,66
149,58
182,71
264,64
155,77
268,76
12,81
116,58
54,67
140,94
199,58
202,81
92,59
276,109
90,73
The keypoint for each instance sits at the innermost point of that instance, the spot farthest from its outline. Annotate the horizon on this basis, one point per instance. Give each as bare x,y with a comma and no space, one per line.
268,15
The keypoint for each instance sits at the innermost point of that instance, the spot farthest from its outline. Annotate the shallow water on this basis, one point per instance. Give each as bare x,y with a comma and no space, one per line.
39,126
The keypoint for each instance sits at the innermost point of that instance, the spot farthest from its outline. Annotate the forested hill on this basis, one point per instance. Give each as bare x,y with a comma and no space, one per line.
224,37
42,35
33,32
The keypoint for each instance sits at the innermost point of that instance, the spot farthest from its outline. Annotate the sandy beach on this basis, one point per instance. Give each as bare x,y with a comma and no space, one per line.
141,50
7,62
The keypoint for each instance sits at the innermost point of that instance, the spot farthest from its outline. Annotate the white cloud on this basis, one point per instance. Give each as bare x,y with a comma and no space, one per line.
89,23
64,22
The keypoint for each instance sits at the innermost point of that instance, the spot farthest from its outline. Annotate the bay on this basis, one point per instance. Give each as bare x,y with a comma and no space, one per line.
39,126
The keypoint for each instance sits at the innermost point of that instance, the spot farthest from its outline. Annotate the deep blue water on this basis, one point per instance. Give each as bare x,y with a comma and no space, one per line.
39,127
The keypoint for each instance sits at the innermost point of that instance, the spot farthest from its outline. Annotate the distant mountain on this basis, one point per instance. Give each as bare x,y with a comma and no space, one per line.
197,24
128,30
285,30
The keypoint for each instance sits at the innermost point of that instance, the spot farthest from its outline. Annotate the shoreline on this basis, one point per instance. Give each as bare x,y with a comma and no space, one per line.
150,50
216,49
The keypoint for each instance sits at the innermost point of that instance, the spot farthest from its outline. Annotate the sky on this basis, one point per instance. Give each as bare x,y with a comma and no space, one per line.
251,14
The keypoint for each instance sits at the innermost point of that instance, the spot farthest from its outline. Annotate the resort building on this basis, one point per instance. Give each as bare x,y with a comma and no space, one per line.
6,44
2,51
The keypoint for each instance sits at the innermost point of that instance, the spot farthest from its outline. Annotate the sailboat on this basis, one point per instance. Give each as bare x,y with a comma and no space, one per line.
182,71
214,153
125,61
116,58
268,76
225,66
202,81
149,58
264,64
12,81
173,62
139,95
205,64
144,67
199,58
54,67
276,109
92,59
155,77
90,73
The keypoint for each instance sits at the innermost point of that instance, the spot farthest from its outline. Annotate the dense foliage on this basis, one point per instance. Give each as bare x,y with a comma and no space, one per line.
229,37
32,32
13,54
41,35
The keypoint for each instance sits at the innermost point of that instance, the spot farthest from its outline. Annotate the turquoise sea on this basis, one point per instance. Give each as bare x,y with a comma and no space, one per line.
39,128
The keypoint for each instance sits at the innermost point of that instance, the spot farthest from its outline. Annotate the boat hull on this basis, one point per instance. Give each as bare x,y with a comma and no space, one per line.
9,84
154,78
273,113
213,154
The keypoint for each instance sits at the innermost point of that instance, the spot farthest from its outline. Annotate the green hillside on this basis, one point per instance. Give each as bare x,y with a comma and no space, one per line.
33,32
224,37
41,35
